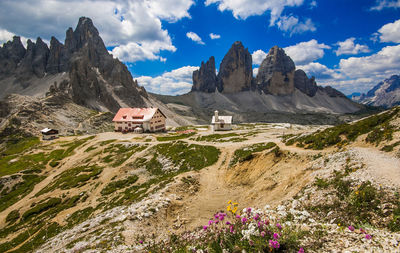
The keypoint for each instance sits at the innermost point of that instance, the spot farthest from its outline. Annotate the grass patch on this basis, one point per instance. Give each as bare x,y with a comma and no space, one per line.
174,137
246,153
119,153
72,178
216,137
389,148
117,185
12,216
377,126
79,216
18,191
42,207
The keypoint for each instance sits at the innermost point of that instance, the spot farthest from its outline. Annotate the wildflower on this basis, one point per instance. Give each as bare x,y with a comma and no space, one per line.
230,201
231,229
262,233
228,223
244,219
251,243
259,224
362,230
205,227
276,236
238,216
249,210
234,210
257,217
278,226
228,208
266,222
210,222
141,241
301,250
368,236
351,228
274,244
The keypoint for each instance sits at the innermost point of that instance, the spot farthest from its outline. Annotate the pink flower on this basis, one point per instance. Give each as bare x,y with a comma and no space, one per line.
205,227
368,236
257,217
251,243
278,226
249,210
266,222
244,219
238,216
351,228
231,229
276,236
210,222
228,223
141,241
259,224
262,234
301,250
274,244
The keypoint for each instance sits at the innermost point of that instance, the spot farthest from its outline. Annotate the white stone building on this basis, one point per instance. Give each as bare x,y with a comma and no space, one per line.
220,123
139,120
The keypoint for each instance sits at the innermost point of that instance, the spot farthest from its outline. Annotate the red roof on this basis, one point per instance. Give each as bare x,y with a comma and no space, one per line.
135,114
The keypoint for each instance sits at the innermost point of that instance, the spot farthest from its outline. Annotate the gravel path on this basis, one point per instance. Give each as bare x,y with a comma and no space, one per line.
379,167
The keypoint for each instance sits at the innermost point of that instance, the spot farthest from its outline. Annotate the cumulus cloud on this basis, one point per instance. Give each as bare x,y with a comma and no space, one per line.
319,70
243,9
133,52
258,56
214,36
349,47
383,4
8,36
390,32
306,52
175,82
196,38
292,25
119,22
384,63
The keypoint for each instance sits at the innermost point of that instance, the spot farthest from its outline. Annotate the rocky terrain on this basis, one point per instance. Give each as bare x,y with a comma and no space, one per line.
385,94
329,188
65,85
279,92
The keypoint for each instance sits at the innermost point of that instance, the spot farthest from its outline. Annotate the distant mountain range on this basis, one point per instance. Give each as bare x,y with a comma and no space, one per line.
279,92
81,71
385,94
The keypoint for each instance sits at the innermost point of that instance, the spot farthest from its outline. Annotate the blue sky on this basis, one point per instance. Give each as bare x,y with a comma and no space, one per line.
350,45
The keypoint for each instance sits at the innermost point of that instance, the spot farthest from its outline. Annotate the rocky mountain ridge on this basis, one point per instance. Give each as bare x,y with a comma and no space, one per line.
95,79
385,94
277,75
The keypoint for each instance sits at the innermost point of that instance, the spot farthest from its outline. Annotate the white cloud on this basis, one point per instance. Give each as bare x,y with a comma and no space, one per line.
313,4
258,56
119,22
255,71
243,9
319,70
196,38
291,25
175,82
214,36
5,36
306,52
348,47
382,4
390,32
384,63
133,52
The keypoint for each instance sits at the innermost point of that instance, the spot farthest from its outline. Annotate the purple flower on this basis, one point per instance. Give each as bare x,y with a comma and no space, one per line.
276,236
257,217
351,228
228,223
238,216
301,250
274,244
210,222
259,224
266,222
249,210
262,233
278,226
368,236
231,229
205,227
141,241
244,219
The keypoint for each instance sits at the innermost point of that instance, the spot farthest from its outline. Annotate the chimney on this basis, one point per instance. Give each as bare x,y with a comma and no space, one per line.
216,116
